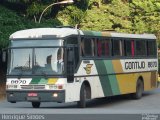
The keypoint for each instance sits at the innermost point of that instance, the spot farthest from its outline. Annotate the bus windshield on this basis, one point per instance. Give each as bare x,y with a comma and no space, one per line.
36,61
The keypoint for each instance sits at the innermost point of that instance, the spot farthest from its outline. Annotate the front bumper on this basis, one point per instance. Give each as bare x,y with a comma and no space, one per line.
42,96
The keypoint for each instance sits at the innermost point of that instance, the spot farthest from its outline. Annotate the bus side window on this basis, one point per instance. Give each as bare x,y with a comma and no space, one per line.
141,48
99,48
132,46
151,48
107,48
103,47
93,47
117,47
87,47
129,48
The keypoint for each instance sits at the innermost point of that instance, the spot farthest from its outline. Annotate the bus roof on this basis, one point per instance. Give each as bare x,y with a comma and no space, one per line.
43,33
119,35
63,32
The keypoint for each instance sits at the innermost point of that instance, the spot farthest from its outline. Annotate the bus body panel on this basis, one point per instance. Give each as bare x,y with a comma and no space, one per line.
44,88
114,77
107,74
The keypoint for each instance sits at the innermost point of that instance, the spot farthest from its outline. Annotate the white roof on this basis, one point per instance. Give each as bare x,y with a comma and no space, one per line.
63,32
43,32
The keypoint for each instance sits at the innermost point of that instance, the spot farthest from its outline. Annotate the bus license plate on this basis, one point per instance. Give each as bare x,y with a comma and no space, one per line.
32,95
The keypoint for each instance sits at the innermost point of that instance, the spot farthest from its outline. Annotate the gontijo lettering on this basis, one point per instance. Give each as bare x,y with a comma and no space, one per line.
135,65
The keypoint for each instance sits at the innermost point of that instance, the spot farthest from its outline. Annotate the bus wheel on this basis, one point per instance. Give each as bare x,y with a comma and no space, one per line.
36,104
83,97
139,90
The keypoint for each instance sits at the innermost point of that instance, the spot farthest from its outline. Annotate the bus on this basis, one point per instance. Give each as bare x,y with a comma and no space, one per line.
71,65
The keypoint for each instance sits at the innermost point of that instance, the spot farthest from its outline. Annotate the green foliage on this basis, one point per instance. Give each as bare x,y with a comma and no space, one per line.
83,4
71,16
130,16
119,15
32,8
96,19
146,15
11,22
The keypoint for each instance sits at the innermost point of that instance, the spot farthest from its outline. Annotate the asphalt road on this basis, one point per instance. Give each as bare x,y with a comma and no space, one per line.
149,103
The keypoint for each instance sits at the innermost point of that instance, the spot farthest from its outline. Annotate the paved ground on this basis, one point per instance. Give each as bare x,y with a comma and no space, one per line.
150,103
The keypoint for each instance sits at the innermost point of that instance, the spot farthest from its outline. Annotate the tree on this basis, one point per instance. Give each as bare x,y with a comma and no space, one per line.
146,16
31,9
9,23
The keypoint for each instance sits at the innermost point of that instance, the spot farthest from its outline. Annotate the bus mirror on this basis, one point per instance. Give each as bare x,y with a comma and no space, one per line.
4,56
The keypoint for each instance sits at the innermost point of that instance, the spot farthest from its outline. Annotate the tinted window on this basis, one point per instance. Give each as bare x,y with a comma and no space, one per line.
117,48
141,47
129,47
103,48
87,47
151,48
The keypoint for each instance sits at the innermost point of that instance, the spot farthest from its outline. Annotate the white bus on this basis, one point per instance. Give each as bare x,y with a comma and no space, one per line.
68,65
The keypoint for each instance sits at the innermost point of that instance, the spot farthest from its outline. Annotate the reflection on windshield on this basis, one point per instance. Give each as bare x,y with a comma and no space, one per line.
48,61
44,61
21,61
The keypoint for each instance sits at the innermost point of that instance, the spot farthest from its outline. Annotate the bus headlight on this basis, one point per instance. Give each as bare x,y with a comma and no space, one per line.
55,94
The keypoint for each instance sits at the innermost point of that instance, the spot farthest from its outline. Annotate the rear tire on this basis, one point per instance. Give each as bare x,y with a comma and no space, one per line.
139,90
83,97
36,104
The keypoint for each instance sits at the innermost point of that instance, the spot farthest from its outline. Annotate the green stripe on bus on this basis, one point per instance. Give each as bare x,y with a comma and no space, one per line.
92,33
43,81
97,33
103,79
112,78
35,80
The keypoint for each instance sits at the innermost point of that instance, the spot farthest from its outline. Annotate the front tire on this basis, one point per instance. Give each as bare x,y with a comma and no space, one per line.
139,90
83,97
36,104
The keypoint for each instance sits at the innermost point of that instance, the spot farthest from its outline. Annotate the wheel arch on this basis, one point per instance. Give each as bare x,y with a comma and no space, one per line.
88,88
141,79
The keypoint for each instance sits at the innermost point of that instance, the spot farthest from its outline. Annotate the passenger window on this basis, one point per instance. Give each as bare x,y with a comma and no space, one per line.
99,48
151,48
107,48
129,48
117,48
87,47
140,48
103,48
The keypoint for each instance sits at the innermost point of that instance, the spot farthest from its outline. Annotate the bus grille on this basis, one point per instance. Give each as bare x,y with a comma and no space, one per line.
32,87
